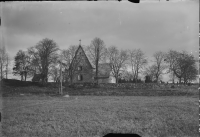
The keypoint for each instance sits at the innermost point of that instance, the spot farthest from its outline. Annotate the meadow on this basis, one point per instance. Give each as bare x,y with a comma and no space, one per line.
27,114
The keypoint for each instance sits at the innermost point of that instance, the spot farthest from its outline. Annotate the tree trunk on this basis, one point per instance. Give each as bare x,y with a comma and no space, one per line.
173,78
97,64
97,73
21,77
180,80
1,71
136,77
116,79
25,75
6,71
7,67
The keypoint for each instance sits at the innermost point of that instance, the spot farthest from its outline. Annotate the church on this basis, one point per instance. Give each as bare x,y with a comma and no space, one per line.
81,70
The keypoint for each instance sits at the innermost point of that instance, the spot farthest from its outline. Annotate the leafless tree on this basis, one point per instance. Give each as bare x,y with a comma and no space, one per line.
67,58
54,73
34,61
171,58
181,65
4,62
127,75
159,64
22,65
7,70
185,67
151,72
137,61
68,54
117,60
44,54
96,53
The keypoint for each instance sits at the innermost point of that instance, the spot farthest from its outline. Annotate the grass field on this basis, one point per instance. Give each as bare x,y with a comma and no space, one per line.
94,116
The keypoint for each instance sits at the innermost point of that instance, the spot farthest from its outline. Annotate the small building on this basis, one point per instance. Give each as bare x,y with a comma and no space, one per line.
105,74
37,78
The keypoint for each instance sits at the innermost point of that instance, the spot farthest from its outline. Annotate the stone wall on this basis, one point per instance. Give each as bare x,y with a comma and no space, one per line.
135,86
148,86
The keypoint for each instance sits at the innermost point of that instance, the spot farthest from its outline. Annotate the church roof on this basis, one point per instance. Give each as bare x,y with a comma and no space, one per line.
80,47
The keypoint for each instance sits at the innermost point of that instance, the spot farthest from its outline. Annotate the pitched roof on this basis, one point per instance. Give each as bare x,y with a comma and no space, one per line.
80,47
36,77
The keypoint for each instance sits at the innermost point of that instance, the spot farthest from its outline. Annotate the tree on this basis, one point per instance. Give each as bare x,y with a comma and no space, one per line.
96,53
54,72
150,72
22,65
4,61
7,70
67,57
137,61
159,65
44,54
170,59
34,61
117,60
126,75
191,74
182,65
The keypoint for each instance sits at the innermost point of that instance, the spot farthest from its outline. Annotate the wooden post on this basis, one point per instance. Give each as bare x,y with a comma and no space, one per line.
61,92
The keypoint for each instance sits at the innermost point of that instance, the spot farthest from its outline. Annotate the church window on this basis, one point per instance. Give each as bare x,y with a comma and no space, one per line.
79,67
80,77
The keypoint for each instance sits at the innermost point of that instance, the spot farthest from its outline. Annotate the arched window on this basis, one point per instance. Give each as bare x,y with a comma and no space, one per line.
80,77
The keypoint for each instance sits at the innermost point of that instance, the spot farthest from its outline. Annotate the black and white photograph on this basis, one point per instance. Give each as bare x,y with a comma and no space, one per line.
99,68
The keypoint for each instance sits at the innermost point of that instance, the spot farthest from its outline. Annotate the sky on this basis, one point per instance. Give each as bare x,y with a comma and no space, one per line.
150,26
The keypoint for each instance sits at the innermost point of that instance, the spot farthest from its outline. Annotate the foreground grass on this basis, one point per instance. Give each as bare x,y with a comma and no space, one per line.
94,116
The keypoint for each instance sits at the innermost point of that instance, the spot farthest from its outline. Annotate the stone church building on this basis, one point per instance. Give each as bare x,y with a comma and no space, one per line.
81,70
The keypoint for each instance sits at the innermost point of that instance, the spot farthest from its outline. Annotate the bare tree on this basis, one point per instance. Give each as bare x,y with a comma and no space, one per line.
3,61
34,61
190,74
96,53
67,56
22,65
159,64
137,61
127,75
182,66
171,58
7,70
54,72
117,60
151,72
185,67
44,54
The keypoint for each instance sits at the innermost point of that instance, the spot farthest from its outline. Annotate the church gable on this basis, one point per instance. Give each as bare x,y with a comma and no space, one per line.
80,68
81,59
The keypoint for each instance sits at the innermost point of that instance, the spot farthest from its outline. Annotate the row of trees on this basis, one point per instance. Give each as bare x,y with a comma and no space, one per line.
38,59
45,57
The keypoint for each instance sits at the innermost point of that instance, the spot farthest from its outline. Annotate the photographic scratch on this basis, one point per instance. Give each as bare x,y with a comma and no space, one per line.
120,22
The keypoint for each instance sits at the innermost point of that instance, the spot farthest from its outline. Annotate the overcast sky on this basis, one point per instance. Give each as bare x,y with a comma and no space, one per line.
149,26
